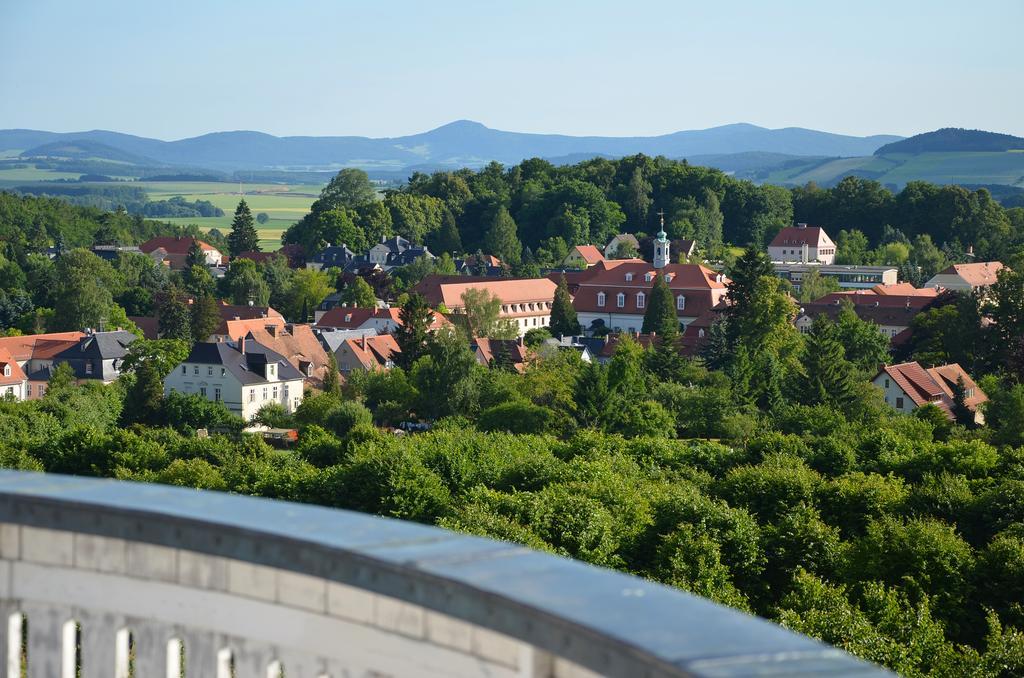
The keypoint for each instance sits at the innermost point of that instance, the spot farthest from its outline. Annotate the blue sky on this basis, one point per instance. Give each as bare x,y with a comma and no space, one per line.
183,68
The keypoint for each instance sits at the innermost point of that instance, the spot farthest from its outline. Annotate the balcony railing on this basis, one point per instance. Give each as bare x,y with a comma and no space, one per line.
107,578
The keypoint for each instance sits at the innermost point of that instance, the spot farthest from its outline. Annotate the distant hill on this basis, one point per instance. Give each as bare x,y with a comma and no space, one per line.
459,144
954,140
85,149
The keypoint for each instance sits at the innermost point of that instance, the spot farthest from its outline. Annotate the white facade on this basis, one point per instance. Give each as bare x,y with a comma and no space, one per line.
895,397
216,383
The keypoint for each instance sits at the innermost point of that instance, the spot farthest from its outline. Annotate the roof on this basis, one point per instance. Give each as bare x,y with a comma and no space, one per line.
332,339
981,274
149,325
899,289
946,376
17,374
623,238
681,276
246,367
99,345
298,344
350,318
244,312
508,290
373,352
803,234
174,245
590,253
39,346
875,300
881,310
934,385
490,351
586,300
334,254
235,329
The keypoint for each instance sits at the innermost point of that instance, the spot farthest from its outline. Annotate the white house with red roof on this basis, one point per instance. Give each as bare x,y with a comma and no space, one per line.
582,256
13,380
174,251
802,243
615,294
525,301
383,320
908,386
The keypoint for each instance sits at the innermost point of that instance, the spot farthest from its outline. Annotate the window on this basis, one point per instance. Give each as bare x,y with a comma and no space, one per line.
252,395
195,370
209,370
272,370
648,277
680,302
600,298
88,368
223,372
629,277
640,300
899,403
184,369
202,391
7,370
216,394
620,299
264,392
887,383
275,393
284,392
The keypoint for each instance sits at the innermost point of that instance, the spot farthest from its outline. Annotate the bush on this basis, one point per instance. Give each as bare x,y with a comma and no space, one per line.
347,416
515,417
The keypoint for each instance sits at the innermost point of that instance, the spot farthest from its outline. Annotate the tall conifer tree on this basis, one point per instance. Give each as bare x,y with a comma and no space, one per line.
563,315
243,236
660,316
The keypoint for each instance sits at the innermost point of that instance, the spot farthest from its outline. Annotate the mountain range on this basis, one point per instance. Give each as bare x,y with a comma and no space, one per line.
458,144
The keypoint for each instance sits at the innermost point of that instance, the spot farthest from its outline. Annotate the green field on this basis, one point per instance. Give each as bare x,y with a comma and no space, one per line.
899,168
24,174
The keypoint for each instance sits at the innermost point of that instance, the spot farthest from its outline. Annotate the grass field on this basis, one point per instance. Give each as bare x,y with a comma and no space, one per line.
25,174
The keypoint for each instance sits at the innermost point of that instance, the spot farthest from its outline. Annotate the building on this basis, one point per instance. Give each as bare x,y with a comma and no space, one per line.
804,244
485,265
848,277
582,256
367,353
382,320
35,354
243,375
966,277
614,294
611,250
511,353
395,251
332,256
892,314
299,345
111,252
173,251
903,289
525,301
680,247
96,356
13,380
908,386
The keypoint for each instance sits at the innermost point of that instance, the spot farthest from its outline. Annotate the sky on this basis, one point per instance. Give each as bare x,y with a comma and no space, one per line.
332,67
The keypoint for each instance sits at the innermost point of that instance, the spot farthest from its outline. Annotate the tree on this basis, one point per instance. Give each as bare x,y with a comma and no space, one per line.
245,284
195,256
827,377
331,385
243,236
447,238
961,412
592,396
358,293
174,321
563,315
307,290
205,317
262,218
413,332
142,403
660,316
62,377
198,281
815,286
84,293
866,347
442,374
752,265
482,313
501,239
852,248
349,188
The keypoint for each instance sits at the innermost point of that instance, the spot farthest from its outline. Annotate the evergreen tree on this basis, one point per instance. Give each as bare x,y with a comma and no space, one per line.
205,317
501,239
961,412
243,236
142,403
62,377
660,316
717,350
563,315
592,396
827,377
173,318
752,265
195,256
332,385
414,331
664,360
446,238
358,293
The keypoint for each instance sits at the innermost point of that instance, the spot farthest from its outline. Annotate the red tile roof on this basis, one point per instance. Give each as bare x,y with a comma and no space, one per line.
508,290
902,289
682,276
17,375
245,312
494,350
299,345
373,352
346,318
39,346
981,274
590,253
935,384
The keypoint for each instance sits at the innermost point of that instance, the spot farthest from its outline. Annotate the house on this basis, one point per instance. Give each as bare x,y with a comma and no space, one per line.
904,289
367,353
891,314
526,301
243,375
299,345
13,380
802,243
382,320
966,277
500,352
331,339
173,251
582,256
848,277
332,256
611,250
111,252
396,251
614,294
587,347
908,386
96,356
295,254
486,265
35,354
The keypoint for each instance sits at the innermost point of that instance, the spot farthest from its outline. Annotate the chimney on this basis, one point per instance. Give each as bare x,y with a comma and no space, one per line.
801,225
241,344
237,317
362,342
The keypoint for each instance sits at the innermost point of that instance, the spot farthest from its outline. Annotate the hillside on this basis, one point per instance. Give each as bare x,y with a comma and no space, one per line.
86,149
458,144
954,140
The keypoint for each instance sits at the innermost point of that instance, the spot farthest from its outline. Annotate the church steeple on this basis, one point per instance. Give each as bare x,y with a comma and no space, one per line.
661,245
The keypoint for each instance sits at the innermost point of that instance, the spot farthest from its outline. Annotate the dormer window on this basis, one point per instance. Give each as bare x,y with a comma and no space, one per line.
680,302
7,370
648,277
620,299
640,299
272,370
601,298
629,277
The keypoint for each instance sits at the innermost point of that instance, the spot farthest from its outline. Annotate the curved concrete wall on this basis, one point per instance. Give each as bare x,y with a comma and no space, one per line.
146,580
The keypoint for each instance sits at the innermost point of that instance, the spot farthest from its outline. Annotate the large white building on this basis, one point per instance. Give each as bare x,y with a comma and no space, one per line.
244,375
802,243
526,302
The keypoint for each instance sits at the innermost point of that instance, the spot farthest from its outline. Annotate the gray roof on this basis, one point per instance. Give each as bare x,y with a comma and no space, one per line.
101,345
332,339
334,255
248,367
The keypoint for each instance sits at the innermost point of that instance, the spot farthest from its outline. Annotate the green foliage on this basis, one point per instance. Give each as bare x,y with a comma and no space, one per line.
563,315
660,316
243,237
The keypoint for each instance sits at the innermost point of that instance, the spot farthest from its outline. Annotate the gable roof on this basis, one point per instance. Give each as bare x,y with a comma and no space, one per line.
351,318
803,234
246,312
298,344
490,351
981,274
39,346
174,245
681,276
437,290
99,345
899,289
590,253
946,376
245,367
934,385
372,352
7,361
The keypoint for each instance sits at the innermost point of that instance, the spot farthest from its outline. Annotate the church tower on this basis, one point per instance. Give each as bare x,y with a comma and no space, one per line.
661,245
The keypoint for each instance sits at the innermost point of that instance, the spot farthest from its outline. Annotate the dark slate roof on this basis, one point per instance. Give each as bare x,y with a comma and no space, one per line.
396,244
247,367
334,255
409,255
101,345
